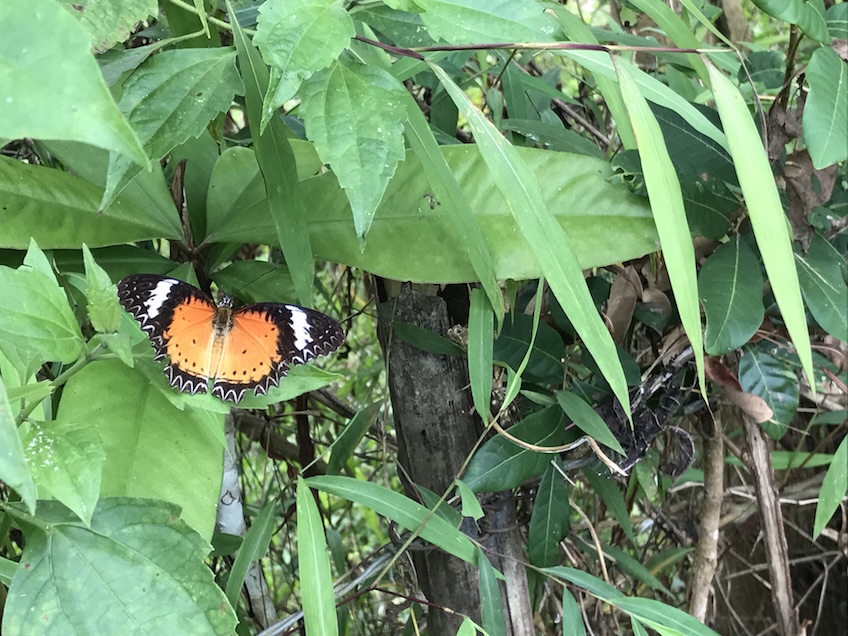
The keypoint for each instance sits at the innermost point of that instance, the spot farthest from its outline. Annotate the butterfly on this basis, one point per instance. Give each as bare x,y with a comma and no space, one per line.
232,350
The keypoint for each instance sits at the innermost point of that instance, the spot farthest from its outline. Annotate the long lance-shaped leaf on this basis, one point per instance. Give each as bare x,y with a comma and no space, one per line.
277,163
767,218
669,213
545,235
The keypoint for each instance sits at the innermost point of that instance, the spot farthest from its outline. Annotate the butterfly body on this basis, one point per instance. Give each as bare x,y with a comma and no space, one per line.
216,348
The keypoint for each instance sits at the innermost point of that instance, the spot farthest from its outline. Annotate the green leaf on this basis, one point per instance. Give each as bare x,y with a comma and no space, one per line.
353,432
833,488
58,210
170,98
608,490
731,289
400,509
605,222
765,210
67,459
823,286
545,363
138,585
554,136
425,339
807,14
7,570
480,346
35,311
669,213
316,581
481,21
277,162
491,607
587,420
354,113
772,379
633,568
501,465
111,21
14,470
470,506
252,548
53,86
572,617
549,520
826,109
148,455
104,311
296,39
837,21
764,67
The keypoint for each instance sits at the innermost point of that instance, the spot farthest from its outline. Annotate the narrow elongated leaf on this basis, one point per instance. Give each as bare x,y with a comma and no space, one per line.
491,607
316,581
53,88
354,113
607,489
446,190
482,21
572,617
765,210
826,109
675,29
833,487
823,287
170,98
587,420
669,214
344,445
298,38
400,509
70,565
470,506
279,171
632,567
549,520
546,237
252,548
731,289
480,346
545,362
14,470
425,339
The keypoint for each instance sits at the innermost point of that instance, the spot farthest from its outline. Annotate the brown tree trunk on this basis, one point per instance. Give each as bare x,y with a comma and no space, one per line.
436,430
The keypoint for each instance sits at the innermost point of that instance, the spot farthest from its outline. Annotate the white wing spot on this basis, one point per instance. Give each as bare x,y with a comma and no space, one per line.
300,327
158,296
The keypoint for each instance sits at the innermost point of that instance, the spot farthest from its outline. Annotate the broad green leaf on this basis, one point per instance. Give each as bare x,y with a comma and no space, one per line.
731,289
316,581
807,14
546,237
837,21
833,488
171,97
7,570
277,162
354,113
400,509
765,210
772,379
823,286
669,214
764,67
483,21
138,586
826,109
252,548
34,310
14,470
59,210
104,311
491,607
256,281
53,88
470,506
501,465
425,339
36,391
587,420
446,189
111,21
344,445
152,448
297,38
480,346
549,520
605,222
66,459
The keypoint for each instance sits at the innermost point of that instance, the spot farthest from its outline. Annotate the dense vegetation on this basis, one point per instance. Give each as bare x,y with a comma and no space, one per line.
590,260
